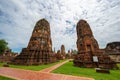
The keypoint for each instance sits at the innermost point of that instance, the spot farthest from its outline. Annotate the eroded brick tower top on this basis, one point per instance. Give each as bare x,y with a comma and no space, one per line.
85,39
63,50
41,36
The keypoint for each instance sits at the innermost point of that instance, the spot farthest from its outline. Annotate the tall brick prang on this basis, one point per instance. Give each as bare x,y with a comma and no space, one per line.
89,54
39,49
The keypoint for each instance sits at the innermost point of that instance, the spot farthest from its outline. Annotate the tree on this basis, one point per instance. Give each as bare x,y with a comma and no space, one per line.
3,45
75,51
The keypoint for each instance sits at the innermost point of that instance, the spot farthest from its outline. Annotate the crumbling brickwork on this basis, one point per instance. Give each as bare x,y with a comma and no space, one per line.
63,51
88,48
113,50
39,49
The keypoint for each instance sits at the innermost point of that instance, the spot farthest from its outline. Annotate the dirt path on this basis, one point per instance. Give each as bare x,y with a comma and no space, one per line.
44,74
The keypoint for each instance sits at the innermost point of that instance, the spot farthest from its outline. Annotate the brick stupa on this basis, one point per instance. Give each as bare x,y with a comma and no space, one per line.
63,51
39,49
89,55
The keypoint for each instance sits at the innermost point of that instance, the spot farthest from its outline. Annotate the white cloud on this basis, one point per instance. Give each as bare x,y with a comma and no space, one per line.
18,17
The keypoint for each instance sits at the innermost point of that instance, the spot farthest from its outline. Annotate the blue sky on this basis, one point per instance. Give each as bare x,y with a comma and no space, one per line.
18,18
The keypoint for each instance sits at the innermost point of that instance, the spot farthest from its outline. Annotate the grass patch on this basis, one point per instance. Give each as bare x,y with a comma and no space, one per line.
5,78
35,68
118,65
69,69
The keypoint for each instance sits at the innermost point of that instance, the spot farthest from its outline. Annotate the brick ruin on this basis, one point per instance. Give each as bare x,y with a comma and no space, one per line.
63,51
58,55
113,50
7,55
61,54
69,54
89,55
113,47
39,49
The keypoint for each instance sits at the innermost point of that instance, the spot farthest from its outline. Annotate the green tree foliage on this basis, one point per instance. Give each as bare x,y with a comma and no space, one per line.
3,45
75,51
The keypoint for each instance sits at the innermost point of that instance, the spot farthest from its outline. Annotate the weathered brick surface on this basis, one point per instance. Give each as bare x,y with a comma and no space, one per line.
113,50
61,54
39,49
88,47
63,50
58,55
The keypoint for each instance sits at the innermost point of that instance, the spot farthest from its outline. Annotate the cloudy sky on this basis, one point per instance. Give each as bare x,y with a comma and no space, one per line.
18,18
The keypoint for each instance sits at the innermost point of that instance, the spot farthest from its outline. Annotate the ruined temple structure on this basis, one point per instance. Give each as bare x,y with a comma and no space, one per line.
58,55
89,55
39,49
63,54
113,50
7,55
113,47
69,55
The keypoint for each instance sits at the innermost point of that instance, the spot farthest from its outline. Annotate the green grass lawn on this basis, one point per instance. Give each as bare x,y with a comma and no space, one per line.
69,69
35,68
5,78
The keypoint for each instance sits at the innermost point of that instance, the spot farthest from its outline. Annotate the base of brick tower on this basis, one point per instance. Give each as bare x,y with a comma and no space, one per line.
86,60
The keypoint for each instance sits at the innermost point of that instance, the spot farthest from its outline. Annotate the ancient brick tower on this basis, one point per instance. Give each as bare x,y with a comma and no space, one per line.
63,51
39,49
89,54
